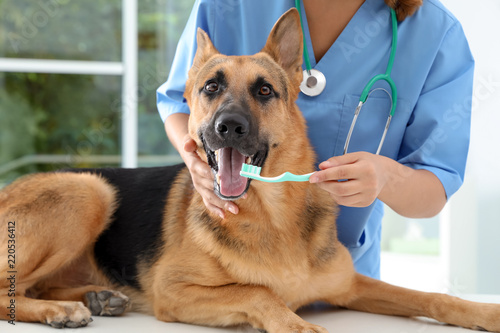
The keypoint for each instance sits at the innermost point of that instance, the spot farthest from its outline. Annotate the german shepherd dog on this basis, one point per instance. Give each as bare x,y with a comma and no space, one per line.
84,239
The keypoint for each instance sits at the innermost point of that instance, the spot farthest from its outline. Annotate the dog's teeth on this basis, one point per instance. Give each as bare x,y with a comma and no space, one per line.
217,177
249,160
217,156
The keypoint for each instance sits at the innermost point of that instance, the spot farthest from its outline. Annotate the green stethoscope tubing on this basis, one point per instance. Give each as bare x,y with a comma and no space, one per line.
366,91
307,62
387,75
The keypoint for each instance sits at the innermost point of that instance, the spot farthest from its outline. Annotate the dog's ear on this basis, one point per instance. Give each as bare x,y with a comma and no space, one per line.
204,51
284,45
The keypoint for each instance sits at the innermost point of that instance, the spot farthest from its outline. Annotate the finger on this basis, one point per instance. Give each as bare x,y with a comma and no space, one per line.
348,193
211,199
356,199
220,206
341,189
339,160
214,209
215,202
351,201
190,145
233,208
342,172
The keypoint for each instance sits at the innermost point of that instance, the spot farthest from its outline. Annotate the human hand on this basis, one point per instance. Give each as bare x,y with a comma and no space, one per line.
354,179
203,180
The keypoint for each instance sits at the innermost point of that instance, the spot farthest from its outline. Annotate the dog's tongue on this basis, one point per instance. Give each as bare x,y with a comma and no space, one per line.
231,183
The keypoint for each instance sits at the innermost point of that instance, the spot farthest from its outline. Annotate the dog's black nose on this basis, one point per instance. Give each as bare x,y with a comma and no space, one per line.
231,126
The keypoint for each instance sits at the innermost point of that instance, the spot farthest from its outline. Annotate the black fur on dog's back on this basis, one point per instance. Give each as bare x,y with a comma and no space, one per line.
135,234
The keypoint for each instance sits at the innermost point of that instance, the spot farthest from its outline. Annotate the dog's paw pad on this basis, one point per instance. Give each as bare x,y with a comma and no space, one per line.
106,303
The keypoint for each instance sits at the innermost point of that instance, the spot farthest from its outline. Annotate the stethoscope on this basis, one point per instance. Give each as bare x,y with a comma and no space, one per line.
314,81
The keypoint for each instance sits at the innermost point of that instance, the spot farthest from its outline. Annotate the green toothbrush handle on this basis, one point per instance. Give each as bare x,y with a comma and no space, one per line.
290,177
285,177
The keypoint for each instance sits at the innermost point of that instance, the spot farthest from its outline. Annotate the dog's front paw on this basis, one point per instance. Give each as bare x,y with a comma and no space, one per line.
106,303
306,328
290,322
298,327
68,314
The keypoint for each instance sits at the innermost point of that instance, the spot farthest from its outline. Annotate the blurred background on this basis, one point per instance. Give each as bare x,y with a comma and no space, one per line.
76,74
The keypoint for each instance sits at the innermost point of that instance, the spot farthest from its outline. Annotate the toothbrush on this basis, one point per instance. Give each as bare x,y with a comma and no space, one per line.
252,171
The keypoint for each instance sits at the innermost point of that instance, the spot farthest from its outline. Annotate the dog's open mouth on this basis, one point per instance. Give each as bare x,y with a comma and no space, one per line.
228,179
226,165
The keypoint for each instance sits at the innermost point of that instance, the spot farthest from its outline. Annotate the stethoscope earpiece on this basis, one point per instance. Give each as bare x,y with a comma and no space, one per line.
313,82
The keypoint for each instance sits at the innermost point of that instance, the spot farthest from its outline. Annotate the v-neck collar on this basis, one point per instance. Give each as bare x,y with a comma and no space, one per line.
355,21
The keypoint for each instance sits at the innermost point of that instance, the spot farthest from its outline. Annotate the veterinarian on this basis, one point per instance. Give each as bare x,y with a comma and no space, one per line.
423,157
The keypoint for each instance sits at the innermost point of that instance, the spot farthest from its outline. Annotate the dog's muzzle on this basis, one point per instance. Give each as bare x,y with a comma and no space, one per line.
230,140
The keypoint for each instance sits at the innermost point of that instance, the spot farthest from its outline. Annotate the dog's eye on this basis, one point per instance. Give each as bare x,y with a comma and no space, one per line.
265,90
212,87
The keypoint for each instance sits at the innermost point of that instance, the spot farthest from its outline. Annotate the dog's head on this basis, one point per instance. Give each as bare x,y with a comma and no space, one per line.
243,107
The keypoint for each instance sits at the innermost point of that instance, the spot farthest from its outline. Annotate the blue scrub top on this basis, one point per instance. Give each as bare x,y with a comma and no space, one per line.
433,72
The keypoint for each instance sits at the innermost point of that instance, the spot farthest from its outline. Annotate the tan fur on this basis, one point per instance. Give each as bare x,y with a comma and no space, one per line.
279,253
404,8
54,229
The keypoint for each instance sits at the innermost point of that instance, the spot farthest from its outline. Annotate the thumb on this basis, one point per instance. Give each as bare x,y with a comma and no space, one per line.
190,145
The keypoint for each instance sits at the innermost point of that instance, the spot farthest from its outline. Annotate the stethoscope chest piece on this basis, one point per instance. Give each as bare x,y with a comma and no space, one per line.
313,82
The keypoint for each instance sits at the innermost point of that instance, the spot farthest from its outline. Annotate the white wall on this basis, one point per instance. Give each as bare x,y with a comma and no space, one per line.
471,237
